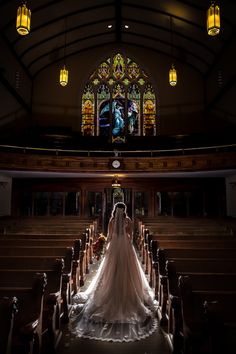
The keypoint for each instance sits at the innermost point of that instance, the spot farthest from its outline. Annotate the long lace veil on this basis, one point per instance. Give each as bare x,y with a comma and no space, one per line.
118,229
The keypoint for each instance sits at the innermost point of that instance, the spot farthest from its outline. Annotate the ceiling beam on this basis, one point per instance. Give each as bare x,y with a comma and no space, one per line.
118,4
15,55
14,93
229,84
218,58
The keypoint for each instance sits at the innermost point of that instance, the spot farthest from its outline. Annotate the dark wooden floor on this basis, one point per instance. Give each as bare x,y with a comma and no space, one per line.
157,343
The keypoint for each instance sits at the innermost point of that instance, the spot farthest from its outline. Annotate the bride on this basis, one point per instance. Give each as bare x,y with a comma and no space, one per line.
119,304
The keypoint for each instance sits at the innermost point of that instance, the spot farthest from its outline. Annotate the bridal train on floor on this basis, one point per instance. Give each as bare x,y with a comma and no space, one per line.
119,304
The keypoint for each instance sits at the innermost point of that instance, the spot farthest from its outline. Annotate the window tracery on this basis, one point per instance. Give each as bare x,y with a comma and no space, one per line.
119,101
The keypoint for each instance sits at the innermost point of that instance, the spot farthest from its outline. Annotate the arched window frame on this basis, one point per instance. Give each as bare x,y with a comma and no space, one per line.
113,80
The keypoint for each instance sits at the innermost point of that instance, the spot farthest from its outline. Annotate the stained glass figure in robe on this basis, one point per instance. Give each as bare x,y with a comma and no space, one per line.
104,118
103,110
133,113
118,120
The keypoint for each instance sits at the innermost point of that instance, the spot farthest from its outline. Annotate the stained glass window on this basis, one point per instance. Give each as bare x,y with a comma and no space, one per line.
118,66
104,71
134,98
88,111
121,94
103,110
149,111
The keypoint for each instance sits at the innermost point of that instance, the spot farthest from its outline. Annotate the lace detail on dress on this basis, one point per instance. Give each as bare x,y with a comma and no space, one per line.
114,332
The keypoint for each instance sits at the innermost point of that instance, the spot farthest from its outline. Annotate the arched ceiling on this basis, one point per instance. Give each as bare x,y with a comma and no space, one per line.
176,28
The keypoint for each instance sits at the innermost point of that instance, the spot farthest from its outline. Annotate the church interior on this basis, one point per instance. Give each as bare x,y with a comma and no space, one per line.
108,101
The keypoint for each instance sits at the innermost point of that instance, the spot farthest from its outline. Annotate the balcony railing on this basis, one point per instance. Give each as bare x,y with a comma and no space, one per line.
119,153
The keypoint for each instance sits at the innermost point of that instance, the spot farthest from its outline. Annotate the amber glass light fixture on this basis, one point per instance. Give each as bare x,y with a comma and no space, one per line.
115,182
172,71
172,76
63,76
64,72
213,19
23,19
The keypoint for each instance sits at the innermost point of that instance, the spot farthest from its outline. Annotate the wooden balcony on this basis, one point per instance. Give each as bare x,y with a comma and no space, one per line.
54,161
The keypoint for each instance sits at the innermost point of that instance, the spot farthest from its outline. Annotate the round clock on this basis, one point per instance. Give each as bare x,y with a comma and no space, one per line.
115,163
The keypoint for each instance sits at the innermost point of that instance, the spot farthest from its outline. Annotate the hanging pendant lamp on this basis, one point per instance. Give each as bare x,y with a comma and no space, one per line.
172,71
213,19
64,76
64,72
172,76
23,19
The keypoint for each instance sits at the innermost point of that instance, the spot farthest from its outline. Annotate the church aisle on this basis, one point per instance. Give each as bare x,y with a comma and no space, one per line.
154,344
69,344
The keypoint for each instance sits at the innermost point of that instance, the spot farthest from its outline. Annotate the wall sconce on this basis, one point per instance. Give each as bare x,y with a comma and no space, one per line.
213,19
23,19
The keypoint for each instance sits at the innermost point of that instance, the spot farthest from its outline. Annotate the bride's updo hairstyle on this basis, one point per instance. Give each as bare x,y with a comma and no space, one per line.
119,205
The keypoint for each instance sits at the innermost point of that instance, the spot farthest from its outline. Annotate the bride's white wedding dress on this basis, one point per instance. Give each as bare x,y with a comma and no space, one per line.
119,304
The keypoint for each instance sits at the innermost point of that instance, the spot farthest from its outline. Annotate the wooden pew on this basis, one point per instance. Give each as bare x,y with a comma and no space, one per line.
184,253
204,278
25,334
18,242
67,253
185,242
208,319
210,252
31,250
205,243
177,240
56,241
37,242
212,248
200,236
56,251
185,226
159,277
8,309
48,225
204,264
183,229
159,264
16,277
83,255
26,251
16,274
42,236
23,262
